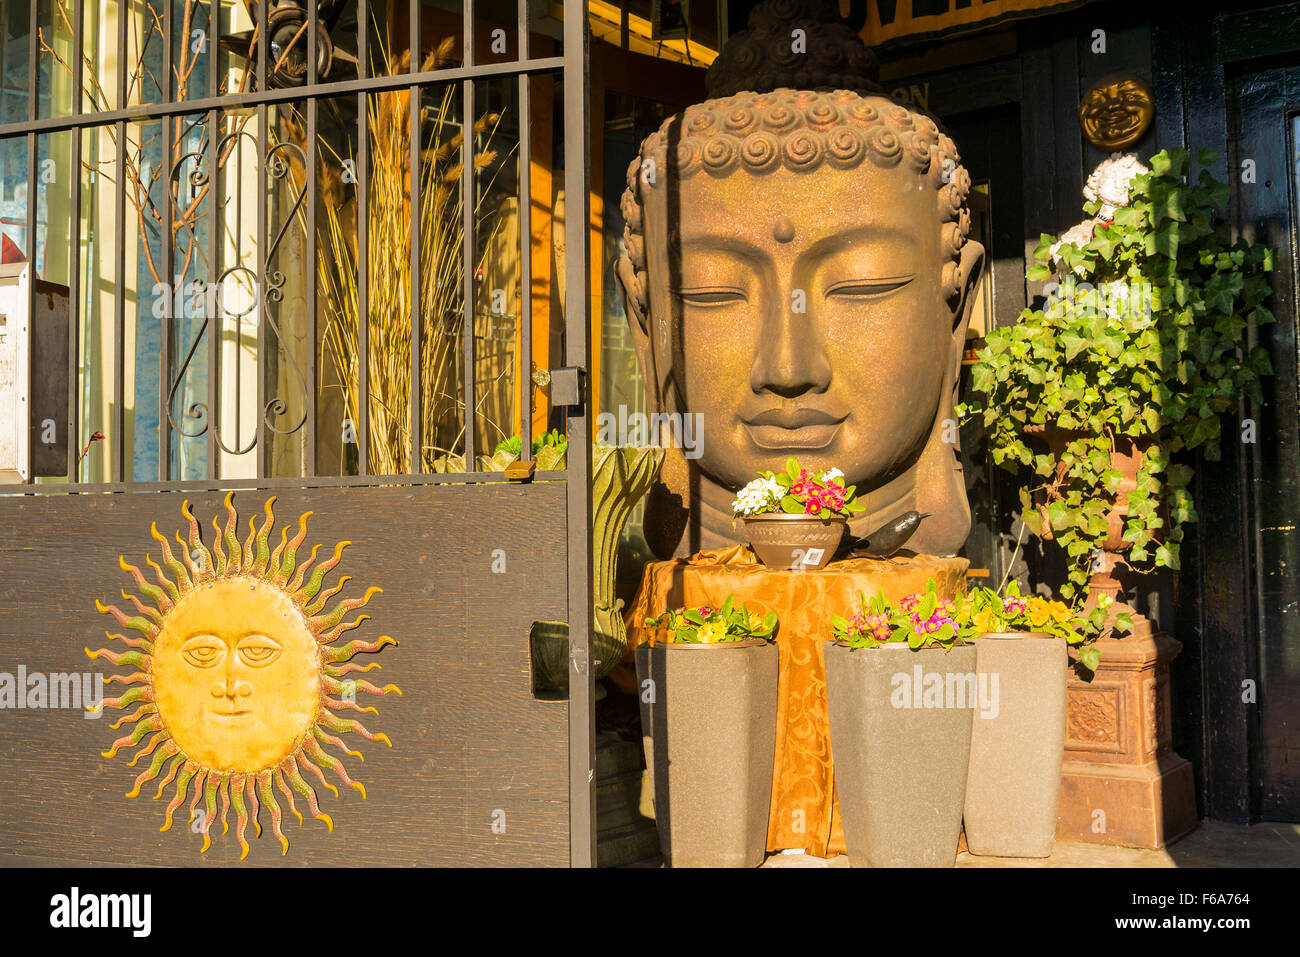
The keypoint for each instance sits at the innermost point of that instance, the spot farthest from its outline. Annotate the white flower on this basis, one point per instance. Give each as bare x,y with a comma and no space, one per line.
1078,235
832,475
760,495
1110,182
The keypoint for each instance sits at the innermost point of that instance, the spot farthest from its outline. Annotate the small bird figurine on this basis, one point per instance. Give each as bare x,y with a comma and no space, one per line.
890,537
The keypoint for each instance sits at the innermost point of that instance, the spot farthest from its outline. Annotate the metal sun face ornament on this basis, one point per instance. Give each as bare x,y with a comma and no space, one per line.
239,674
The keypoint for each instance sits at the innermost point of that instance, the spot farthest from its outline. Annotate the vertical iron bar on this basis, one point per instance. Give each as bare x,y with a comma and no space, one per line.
363,247
168,316
33,73
417,328
312,66
623,24
168,64
310,280
262,26
212,300
74,254
417,418
169,125
468,197
413,24
74,303
260,450
582,716
525,246
117,437
33,198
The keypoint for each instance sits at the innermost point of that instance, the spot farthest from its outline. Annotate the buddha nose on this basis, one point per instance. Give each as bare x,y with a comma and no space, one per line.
792,359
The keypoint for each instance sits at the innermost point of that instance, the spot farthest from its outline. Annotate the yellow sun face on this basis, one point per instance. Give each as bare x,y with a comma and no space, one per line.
238,673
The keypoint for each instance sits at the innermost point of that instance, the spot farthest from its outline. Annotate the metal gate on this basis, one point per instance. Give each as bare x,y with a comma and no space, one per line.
187,451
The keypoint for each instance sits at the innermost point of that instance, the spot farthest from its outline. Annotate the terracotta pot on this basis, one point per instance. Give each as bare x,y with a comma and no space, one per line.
709,730
1017,745
794,541
900,771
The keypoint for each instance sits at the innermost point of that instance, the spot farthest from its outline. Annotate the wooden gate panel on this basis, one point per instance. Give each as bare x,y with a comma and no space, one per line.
478,771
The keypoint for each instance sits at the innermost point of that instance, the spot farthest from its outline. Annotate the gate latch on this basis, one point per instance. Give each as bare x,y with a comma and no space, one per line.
520,471
568,385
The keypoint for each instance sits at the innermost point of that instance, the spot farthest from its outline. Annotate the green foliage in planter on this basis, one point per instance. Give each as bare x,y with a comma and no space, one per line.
707,625
921,620
1158,366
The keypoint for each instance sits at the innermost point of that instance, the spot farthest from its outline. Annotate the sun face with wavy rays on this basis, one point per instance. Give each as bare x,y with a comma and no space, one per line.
240,673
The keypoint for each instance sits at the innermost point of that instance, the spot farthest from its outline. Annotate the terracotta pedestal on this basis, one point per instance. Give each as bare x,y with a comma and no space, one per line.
1121,782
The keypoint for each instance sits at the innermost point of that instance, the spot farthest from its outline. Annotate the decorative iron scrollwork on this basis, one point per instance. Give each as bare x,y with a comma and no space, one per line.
279,162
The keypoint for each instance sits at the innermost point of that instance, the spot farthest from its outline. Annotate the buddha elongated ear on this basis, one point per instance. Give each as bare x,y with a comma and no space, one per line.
632,286
633,290
969,268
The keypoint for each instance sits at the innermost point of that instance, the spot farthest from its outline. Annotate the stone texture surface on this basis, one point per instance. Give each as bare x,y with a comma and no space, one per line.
710,736
900,769
1013,790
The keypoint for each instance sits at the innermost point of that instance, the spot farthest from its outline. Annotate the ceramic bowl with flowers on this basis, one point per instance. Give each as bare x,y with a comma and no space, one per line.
796,519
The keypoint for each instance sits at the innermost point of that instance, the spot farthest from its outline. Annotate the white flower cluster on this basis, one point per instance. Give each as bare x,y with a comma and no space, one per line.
760,495
831,475
1111,181
1109,184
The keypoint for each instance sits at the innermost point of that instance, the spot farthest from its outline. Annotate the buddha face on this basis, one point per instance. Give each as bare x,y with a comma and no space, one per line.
798,276
804,314
236,675
1116,112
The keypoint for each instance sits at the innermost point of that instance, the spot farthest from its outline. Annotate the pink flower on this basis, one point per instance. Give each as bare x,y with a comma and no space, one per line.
812,507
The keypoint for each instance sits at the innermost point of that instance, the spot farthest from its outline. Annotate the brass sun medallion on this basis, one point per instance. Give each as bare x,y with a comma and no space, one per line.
239,673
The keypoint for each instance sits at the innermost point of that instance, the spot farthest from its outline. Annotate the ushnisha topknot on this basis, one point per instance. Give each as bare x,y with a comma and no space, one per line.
770,55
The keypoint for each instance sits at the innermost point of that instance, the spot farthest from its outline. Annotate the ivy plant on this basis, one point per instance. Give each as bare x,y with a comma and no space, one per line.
1147,338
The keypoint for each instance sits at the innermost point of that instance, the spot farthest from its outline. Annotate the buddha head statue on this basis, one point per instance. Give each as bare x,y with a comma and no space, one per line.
798,274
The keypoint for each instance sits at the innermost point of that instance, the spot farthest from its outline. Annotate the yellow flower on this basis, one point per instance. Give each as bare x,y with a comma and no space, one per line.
712,632
1060,612
1039,612
983,621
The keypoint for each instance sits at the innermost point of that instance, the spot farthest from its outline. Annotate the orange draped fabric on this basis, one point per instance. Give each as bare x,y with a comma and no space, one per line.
804,812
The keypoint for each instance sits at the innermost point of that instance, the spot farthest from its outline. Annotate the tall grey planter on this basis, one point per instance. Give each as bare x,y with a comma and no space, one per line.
900,767
708,719
1014,786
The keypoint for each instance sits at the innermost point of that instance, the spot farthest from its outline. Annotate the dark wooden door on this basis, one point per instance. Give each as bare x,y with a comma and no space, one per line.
1264,124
